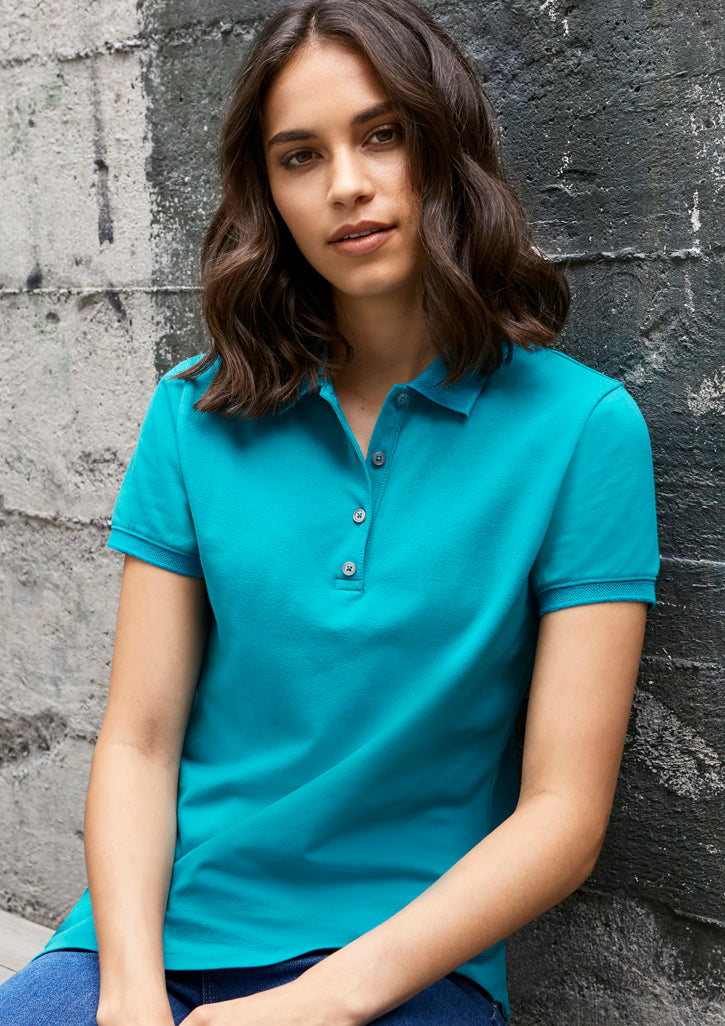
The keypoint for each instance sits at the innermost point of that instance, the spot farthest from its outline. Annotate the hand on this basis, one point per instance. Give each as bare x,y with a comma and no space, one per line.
290,1004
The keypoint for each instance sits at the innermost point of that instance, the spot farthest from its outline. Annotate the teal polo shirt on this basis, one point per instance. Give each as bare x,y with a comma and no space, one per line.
373,634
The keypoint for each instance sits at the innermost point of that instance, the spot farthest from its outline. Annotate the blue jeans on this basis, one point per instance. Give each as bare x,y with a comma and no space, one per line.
61,989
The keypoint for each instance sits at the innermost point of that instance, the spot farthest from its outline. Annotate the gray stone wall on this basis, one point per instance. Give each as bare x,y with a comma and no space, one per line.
613,120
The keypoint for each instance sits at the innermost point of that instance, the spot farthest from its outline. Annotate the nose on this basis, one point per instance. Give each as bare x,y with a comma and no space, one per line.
349,178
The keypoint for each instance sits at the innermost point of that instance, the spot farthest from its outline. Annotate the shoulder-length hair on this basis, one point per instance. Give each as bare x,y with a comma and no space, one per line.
485,285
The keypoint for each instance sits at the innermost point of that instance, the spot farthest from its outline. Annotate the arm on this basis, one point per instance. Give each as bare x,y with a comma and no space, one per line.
586,666
130,823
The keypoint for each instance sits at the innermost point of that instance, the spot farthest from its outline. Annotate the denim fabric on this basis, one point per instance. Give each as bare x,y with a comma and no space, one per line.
61,989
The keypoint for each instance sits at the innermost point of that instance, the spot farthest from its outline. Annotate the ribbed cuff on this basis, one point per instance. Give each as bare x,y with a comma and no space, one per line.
589,592
151,552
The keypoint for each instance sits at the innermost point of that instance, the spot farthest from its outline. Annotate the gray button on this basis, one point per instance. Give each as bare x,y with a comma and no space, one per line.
359,515
378,458
348,569
402,399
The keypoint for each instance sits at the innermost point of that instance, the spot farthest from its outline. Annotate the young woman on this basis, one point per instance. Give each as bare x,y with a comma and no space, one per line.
378,513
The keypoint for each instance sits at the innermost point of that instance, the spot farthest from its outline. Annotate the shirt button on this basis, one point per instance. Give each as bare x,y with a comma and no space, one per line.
348,569
402,399
378,458
359,515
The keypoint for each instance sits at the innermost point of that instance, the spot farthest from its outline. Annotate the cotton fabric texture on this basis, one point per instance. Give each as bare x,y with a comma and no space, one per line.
373,635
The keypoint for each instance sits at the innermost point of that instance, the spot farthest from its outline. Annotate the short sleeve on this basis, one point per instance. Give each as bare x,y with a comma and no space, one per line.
601,542
151,519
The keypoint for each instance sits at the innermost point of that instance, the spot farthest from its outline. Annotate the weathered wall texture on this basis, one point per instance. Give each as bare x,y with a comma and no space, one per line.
613,122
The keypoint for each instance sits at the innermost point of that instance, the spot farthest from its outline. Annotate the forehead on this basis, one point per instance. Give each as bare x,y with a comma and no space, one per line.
322,82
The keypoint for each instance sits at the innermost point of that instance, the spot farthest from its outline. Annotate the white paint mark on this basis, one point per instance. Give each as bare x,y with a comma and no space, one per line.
674,753
707,122
695,213
710,397
565,23
550,7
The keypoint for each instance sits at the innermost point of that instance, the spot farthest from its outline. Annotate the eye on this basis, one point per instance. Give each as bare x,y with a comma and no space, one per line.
297,159
386,134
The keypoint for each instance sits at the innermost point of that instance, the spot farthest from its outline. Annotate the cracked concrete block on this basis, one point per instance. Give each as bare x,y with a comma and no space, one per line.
58,592
656,325
64,28
613,960
187,76
21,736
86,359
665,841
688,625
679,759
41,845
72,174
612,123
177,18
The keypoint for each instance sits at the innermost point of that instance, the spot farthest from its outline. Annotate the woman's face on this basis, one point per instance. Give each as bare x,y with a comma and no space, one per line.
337,165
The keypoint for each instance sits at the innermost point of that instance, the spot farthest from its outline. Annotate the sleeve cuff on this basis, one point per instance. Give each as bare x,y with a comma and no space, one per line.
157,555
589,592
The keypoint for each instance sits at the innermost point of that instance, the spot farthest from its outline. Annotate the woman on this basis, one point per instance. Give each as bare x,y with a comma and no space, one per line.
378,513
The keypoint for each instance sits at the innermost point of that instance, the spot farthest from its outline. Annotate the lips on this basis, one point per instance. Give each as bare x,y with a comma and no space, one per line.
363,243
357,229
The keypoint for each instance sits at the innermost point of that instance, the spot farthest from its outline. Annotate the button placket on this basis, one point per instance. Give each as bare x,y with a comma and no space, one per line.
376,469
349,576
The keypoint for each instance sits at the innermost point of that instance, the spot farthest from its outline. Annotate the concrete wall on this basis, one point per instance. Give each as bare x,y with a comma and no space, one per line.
614,128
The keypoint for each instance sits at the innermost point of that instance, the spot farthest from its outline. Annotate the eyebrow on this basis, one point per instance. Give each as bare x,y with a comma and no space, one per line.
300,134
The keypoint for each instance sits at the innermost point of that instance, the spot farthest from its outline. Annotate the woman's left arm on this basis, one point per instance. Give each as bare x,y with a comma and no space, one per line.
585,671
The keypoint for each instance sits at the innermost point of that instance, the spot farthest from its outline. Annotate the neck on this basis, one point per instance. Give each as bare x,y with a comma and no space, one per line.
389,338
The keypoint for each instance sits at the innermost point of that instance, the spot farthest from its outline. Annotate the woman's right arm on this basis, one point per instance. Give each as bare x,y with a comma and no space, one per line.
130,821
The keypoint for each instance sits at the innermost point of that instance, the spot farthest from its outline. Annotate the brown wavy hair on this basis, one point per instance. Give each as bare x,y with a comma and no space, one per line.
485,285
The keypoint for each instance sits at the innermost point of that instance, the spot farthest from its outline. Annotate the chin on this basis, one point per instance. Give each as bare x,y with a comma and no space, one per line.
381,285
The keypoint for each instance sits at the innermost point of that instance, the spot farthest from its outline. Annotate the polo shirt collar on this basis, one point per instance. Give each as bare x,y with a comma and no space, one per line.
460,396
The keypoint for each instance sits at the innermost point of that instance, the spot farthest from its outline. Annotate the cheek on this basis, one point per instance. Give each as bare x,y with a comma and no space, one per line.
295,209
395,181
